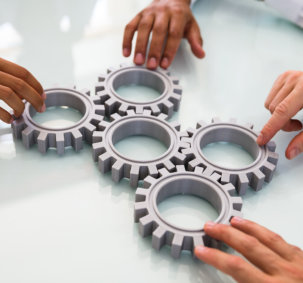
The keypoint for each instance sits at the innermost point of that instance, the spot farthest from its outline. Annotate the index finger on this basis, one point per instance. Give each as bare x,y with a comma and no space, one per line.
129,32
281,115
21,73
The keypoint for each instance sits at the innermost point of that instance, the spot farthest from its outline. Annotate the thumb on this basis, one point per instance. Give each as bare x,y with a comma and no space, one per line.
295,147
195,40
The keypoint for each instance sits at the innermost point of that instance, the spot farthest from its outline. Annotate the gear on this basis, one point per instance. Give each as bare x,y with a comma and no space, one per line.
30,132
160,80
133,123
199,183
252,175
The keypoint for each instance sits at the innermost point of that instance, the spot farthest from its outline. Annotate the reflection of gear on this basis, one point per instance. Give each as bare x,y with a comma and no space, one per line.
110,133
31,132
199,183
160,80
252,175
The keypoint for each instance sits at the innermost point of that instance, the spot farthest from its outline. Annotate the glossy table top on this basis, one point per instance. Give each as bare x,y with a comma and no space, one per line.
60,219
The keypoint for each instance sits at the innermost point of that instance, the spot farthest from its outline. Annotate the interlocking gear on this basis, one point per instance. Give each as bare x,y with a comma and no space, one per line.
160,80
198,183
146,124
252,175
30,132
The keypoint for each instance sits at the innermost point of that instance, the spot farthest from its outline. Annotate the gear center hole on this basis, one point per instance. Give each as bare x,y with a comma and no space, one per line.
139,86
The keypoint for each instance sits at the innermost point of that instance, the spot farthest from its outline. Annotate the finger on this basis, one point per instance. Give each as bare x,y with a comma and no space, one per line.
175,34
248,246
265,236
129,32
295,147
23,90
232,265
282,114
5,116
292,125
144,29
12,100
278,84
282,93
21,73
195,40
160,30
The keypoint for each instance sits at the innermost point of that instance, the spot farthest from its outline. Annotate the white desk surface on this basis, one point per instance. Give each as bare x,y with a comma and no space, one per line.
60,219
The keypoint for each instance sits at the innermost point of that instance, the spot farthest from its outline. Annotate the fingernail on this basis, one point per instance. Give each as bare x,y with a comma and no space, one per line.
43,108
209,225
125,52
260,139
43,95
200,250
293,153
164,63
139,60
152,63
237,219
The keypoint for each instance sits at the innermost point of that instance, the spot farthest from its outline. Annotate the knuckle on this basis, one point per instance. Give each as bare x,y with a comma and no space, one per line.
272,108
274,238
159,30
175,34
19,85
282,109
250,243
178,11
6,93
235,263
144,25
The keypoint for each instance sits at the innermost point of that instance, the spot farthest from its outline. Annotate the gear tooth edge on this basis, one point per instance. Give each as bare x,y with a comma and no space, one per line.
163,116
140,210
131,112
139,109
229,188
193,163
249,126
134,176
43,143
18,126
180,168
97,136
175,80
105,162
152,170
169,165
146,225
158,238
155,109
176,100
111,70
110,105
177,90
271,145
148,182
273,157
216,120
117,171
114,117
85,91
186,140
179,158
176,125
163,172
242,184
99,87
141,195
98,149
176,246
198,170
236,213
103,125
225,178
209,172
197,241
237,203
102,77
88,132
168,108
60,143
123,109
215,176
189,154
28,137
96,119
257,180
77,140
190,131
199,125
185,147
100,110
268,169
147,112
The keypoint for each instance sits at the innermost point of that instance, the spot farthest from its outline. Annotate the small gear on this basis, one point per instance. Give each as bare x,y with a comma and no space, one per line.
253,175
198,183
30,132
160,80
120,127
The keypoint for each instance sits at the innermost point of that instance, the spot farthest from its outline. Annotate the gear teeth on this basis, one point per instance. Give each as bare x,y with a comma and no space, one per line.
28,137
216,120
193,163
237,203
169,165
179,158
163,116
99,87
152,170
103,97
88,132
176,100
178,90
118,171
148,181
190,132
85,91
200,124
139,109
236,213
185,148
249,126
105,162
145,225
242,184
147,112
158,238
103,125
229,188
140,211
155,109
18,126
271,146
268,169
198,241
176,125
131,112
134,176
110,106
177,246
122,109
77,140
111,70
42,142
198,170
141,195
163,172
114,117
100,110
168,108
180,168
209,172
215,176
175,80
257,180
273,157
60,143
96,119
101,78
225,178
97,136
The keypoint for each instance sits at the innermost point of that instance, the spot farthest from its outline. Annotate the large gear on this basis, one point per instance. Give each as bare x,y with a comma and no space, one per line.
160,80
120,127
253,175
199,183
30,132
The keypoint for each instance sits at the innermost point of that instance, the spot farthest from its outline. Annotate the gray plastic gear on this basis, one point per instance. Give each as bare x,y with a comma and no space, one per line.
30,132
160,80
198,183
253,175
110,133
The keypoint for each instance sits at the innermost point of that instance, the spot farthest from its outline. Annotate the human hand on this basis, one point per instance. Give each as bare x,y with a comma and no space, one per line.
16,84
270,258
284,101
168,21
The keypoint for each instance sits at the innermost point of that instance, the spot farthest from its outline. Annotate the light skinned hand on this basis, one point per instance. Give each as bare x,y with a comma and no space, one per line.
269,258
284,101
17,84
168,21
